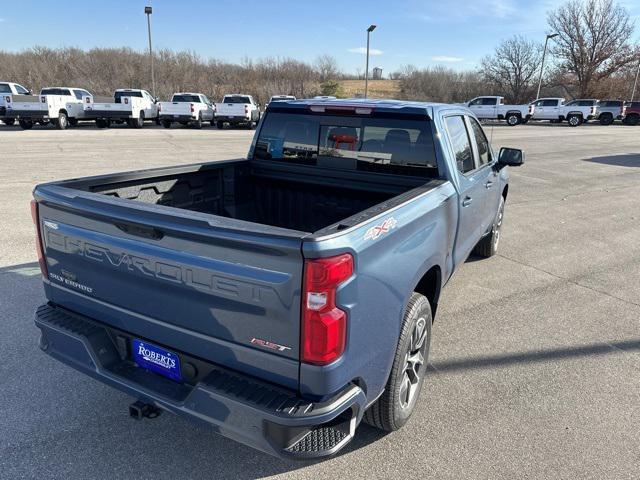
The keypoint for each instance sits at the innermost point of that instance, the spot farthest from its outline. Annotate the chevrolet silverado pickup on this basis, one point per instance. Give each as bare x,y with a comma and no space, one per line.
237,110
282,298
130,106
556,111
493,108
60,106
187,109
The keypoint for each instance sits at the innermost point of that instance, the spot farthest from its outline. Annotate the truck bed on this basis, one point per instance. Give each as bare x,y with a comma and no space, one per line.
260,192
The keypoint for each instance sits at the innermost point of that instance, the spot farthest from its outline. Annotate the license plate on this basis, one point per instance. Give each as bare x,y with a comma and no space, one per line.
156,359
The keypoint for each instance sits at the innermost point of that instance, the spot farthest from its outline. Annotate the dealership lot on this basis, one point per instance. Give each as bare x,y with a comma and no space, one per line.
535,357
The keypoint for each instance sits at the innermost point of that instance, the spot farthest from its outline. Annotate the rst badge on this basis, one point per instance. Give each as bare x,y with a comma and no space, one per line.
270,345
377,230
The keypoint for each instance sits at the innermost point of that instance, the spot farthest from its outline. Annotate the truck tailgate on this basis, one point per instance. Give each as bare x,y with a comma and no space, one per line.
175,108
185,280
231,109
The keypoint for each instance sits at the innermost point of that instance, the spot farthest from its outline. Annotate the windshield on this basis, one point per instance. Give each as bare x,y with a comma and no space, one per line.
186,98
384,145
235,99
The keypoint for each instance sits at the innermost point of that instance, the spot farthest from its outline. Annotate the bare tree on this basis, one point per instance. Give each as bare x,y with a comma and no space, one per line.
513,67
594,41
327,67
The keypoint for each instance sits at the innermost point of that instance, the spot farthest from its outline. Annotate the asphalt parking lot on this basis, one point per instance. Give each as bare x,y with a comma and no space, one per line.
535,363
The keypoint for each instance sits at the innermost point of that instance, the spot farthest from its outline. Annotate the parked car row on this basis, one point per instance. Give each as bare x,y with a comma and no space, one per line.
575,112
64,106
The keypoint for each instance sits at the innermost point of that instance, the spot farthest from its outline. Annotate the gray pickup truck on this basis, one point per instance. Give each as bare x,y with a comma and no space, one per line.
278,299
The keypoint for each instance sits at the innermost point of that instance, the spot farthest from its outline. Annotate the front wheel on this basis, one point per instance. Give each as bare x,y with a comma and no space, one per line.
25,124
396,404
632,120
606,120
198,123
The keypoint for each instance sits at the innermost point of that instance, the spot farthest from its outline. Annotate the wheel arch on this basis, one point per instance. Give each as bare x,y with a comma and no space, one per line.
430,285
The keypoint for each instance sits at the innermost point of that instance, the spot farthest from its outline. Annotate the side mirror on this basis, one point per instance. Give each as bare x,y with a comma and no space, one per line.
512,157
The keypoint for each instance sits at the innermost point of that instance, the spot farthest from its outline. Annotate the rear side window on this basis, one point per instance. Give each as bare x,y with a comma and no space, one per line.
460,143
384,145
489,101
186,98
611,103
235,99
550,103
484,152
78,94
5,88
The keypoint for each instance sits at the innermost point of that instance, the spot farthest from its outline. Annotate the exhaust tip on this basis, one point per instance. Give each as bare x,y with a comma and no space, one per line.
139,410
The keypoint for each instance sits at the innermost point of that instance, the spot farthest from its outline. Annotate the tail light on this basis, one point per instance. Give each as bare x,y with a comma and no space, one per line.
36,221
192,109
246,110
324,325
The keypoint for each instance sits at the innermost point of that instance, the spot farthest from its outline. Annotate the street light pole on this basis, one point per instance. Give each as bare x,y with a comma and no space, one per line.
366,72
544,54
149,11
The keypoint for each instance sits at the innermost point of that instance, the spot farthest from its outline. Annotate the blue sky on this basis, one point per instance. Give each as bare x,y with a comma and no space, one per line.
456,33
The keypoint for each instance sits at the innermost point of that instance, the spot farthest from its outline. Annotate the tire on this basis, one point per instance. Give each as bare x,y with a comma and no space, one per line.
198,123
606,119
137,122
488,245
62,122
513,119
220,125
166,123
73,122
9,122
396,404
26,124
632,119
574,120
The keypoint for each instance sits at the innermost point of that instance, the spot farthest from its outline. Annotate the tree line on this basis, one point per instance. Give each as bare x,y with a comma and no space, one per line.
591,57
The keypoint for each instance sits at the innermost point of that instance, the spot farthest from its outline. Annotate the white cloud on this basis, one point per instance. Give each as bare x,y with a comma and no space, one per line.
446,59
363,51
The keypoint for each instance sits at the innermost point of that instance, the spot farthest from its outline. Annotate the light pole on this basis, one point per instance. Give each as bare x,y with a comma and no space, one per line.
635,82
366,72
544,54
148,11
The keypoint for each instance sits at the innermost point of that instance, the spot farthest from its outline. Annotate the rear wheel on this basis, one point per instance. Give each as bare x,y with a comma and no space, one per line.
25,124
488,245
138,122
62,122
632,119
606,119
9,121
574,120
396,404
513,119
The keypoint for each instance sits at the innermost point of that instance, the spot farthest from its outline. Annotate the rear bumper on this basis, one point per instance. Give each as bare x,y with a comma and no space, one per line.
177,118
255,413
111,114
232,119
28,114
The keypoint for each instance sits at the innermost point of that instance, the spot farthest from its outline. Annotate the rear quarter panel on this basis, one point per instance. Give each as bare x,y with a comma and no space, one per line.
386,270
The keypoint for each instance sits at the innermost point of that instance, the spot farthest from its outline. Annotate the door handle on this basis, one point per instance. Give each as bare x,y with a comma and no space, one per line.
489,184
467,201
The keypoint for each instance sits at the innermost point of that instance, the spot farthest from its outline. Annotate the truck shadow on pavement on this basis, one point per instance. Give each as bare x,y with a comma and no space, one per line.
79,428
628,160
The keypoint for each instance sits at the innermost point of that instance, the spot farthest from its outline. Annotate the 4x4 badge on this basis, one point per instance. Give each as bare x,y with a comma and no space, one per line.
377,230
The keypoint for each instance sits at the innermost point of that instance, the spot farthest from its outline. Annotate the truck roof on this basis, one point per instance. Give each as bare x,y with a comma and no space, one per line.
395,106
187,93
129,90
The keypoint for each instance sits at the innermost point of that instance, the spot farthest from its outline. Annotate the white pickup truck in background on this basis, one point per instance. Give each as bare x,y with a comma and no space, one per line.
61,106
187,109
555,110
493,108
7,89
132,106
237,109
